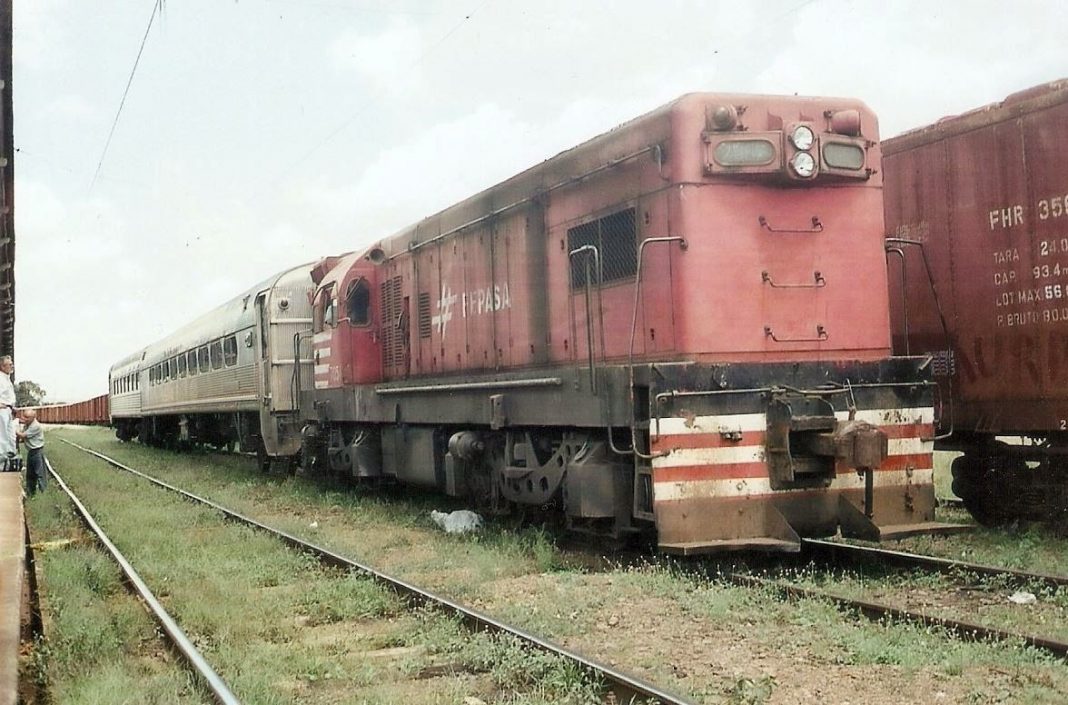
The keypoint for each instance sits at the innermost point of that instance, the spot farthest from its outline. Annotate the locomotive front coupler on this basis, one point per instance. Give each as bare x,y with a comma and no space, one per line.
806,442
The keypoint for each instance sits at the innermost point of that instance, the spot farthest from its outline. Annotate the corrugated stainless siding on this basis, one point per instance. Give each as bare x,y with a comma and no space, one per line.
227,389
285,325
126,405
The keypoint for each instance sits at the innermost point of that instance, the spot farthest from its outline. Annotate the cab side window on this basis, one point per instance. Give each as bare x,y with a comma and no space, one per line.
358,303
325,310
330,314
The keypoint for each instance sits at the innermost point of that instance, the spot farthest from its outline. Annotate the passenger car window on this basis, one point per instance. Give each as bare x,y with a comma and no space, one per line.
191,358
216,355
230,351
205,365
181,365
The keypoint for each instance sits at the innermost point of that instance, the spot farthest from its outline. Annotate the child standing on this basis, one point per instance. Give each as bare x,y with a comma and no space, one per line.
33,436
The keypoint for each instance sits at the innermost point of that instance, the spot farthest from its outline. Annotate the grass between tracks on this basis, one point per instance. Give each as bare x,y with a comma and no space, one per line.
1034,547
277,626
101,645
716,642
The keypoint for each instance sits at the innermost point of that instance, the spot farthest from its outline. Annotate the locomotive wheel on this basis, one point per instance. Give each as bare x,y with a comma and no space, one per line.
482,482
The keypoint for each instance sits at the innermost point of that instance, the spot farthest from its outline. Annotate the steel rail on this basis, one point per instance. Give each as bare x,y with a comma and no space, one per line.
951,502
625,687
879,611
834,549
174,633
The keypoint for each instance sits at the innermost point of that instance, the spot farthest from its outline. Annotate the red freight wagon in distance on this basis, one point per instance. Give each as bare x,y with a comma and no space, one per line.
92,411
680,325
984,196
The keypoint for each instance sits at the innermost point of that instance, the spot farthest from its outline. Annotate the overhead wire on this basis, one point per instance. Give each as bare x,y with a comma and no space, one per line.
157,8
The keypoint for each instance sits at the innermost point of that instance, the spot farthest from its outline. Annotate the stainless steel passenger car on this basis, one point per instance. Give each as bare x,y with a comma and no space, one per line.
124,395
228,377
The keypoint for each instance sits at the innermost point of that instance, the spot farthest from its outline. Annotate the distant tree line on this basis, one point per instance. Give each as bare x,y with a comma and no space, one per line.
28,393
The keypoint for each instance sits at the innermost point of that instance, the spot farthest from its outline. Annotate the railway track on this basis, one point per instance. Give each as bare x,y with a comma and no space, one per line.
838,551
879,611
623,688
173,633
951,502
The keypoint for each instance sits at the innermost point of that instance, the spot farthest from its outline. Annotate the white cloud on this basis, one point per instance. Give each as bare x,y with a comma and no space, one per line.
39,35
74,108
386,59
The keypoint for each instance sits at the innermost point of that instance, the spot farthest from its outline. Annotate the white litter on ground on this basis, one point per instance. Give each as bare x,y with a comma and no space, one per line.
461,521
1022,598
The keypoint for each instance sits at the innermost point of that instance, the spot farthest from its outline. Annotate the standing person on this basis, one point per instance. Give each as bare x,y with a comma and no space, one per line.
7,411
33,436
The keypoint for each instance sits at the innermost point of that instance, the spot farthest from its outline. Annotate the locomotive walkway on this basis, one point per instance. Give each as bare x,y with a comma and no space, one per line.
12,583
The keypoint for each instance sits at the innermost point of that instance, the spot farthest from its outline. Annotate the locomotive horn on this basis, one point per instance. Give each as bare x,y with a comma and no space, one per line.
377,255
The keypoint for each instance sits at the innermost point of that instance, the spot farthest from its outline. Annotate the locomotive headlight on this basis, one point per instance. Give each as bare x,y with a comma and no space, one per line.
802,137
804,164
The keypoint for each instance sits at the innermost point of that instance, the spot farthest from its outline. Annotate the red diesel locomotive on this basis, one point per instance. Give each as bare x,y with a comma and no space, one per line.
977,216
680,325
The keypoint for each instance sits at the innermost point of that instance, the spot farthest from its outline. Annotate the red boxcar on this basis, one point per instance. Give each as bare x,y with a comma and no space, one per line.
90,412
681,324
977,211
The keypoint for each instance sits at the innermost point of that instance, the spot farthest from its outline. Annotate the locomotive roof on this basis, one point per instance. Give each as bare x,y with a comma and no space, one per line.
622,141
1018,104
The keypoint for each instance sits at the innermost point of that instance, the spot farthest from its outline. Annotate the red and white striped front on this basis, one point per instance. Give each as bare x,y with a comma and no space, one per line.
321,353
724,456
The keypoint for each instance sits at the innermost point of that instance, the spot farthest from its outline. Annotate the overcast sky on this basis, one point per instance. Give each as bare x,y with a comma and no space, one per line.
258,134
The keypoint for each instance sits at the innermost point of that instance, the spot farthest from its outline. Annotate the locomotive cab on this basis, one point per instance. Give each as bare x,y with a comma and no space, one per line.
346,347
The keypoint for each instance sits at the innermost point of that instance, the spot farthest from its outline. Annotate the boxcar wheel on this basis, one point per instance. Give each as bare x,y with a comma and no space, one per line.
984,484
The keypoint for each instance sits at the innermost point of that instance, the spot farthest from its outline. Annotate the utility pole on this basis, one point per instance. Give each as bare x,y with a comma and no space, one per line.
7,184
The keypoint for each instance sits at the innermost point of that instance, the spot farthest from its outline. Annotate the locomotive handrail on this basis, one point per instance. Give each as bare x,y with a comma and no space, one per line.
472,386
523,201
817,226
630,351
938,307
819,282
294,383
904,292
662,397
588,250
